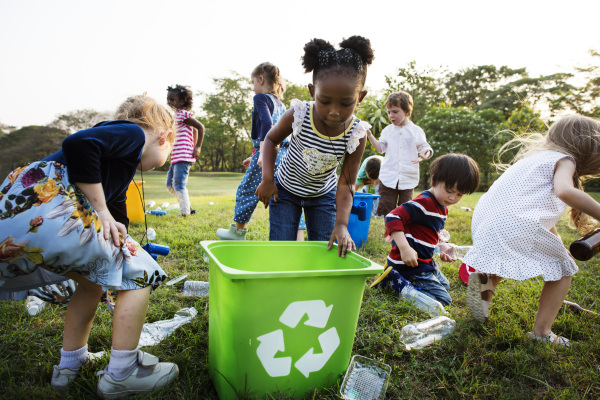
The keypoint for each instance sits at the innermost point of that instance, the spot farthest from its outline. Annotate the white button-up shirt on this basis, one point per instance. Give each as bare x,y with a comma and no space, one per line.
401,146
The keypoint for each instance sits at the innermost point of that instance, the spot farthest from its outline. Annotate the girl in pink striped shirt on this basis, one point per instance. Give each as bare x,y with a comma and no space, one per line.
186,149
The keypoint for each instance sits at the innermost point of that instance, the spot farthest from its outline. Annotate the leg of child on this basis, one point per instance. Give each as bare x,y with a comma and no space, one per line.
246,199
80,313
181,172
169,181
551,299
284,216
320,214
387,201
433,284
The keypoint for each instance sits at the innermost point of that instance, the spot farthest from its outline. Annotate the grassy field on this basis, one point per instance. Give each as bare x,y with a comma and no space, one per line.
491,361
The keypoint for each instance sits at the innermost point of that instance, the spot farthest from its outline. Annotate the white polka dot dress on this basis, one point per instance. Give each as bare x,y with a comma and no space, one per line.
511,223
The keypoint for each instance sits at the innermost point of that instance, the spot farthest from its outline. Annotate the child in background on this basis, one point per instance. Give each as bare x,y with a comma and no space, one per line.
415,226
268,87
323,131
405,146
368,174
67,216
514,223
188,142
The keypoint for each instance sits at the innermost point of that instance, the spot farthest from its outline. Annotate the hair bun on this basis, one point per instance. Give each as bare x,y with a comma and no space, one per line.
310,60
360,45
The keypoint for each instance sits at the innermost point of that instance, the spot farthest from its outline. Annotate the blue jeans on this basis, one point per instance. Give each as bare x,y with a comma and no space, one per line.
284,215
433,284
177,178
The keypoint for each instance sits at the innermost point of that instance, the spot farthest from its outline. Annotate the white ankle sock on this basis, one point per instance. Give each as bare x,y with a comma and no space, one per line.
74,358
121,362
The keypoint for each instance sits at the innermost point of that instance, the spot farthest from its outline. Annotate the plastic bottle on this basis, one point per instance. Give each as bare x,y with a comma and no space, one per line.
195,288
587,246
452,250
151,204
424,333
151,234
422,301
34,305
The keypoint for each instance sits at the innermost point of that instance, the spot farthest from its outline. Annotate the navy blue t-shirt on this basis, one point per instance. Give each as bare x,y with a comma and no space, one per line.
262,120
107,153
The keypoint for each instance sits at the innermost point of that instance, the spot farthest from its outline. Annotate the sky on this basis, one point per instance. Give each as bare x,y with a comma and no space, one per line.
63,55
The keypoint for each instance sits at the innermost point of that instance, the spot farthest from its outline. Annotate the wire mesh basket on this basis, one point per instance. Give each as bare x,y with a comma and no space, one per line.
366,379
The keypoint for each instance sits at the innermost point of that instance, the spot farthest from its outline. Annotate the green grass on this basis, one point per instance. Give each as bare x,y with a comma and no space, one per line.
492,361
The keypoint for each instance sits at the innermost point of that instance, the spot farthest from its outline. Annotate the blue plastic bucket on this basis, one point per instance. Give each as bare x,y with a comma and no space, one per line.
359,230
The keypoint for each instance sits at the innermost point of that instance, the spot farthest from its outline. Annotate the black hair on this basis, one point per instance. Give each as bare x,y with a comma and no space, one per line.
372,168
183,93
455,169
354,55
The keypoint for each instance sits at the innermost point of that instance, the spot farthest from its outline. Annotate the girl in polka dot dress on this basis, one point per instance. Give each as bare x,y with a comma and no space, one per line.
514,223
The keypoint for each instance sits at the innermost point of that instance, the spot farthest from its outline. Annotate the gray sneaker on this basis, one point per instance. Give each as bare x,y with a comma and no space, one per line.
147,375
63,377
232,233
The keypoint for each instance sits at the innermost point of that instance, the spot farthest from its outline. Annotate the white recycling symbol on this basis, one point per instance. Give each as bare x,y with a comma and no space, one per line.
272,342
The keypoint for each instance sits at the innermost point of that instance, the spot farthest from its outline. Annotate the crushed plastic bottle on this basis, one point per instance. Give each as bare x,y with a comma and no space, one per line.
34,305
452,250
151,234
424,333
421,300
195,288
165,204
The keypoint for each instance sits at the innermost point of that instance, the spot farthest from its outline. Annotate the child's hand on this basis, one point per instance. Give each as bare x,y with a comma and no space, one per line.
259,161
447,252
265,191
345,242
409,256
196,152
111,227
246,162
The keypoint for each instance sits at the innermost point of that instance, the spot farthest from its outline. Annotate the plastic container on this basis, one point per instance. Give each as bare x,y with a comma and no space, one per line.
34,305
366,379
359,229
195,288
135,202
421,301
424,333
282,315
452,250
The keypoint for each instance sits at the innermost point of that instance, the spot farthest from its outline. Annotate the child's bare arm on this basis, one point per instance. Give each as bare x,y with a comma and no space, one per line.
95,195
374,142
567,192
407,253
198,133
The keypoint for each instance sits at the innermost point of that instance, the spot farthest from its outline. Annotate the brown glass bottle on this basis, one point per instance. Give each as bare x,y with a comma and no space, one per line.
586,247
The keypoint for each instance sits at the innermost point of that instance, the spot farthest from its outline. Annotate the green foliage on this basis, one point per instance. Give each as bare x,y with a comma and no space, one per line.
460,130
293,91
373,110
28,144
227,117
426,86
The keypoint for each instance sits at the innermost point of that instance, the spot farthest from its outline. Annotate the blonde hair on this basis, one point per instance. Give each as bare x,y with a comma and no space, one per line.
144,111
272,75
575,135
401,99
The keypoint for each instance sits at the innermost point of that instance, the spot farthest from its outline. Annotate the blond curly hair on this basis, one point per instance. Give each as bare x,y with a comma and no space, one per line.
144,111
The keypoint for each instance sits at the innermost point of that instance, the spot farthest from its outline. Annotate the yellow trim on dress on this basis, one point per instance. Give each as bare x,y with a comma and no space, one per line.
312,124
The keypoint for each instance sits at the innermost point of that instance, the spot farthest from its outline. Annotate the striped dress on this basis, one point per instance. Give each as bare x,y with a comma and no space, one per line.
309,167
183,148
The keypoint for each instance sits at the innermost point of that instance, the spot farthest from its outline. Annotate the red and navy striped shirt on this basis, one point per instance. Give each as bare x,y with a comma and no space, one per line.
421,220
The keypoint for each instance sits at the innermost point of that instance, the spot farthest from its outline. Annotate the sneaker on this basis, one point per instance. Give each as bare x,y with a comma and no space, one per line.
147,375
63,377
232,233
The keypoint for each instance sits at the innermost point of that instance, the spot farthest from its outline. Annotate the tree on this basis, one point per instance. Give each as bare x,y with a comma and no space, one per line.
28,144
79,119
461,130
588,96
426,86
294,91
227,116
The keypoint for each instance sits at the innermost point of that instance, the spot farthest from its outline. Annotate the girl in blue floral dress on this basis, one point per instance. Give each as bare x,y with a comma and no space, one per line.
65,216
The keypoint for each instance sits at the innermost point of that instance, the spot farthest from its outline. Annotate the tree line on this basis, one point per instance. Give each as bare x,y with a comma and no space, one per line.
473,111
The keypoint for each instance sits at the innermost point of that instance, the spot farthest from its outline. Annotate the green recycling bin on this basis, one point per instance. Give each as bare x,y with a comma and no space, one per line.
282,315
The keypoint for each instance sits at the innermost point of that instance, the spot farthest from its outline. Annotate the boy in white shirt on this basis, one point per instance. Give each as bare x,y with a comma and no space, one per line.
405,146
